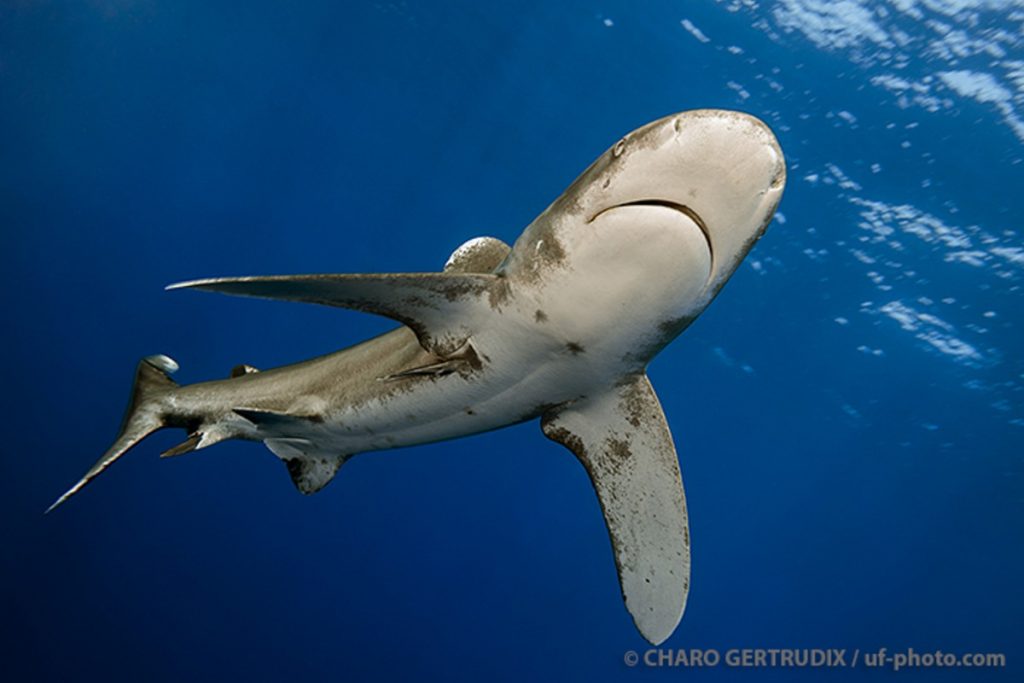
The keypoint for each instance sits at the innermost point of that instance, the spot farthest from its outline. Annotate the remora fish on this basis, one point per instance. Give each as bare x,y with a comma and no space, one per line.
561,326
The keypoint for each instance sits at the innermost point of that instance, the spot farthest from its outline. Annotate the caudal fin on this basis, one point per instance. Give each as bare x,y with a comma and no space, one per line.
142,418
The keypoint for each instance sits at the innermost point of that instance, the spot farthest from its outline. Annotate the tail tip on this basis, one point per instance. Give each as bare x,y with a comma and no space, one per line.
163,363
67,494
142,418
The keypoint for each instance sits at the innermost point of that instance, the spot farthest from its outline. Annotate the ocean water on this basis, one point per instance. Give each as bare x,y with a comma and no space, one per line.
849,413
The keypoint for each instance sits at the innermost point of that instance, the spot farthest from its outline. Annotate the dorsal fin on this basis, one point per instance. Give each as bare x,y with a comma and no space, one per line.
441,308
478,255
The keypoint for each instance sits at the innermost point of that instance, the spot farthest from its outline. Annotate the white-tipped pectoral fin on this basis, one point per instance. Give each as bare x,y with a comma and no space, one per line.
441,308
623,440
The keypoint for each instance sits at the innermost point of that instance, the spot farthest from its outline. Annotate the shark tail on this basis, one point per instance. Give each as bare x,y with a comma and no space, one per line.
143,417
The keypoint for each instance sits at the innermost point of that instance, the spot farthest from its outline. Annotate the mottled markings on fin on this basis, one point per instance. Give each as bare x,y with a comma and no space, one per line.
311,474
433,305
628,452
478,255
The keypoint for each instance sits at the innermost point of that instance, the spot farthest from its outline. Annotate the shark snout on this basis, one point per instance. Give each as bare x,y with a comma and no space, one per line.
723,169
727,168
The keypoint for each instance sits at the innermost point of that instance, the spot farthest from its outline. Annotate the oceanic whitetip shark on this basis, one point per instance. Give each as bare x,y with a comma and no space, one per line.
561,327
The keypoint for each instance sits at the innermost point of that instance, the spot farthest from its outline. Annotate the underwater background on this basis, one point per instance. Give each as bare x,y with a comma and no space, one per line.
849,413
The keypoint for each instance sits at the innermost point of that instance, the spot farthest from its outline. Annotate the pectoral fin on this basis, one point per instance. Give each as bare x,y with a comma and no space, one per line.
441,308
623,440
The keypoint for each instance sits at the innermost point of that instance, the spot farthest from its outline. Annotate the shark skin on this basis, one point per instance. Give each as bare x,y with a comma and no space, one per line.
560,326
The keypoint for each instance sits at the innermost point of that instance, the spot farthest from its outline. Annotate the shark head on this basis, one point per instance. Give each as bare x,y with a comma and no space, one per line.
659,222
722,169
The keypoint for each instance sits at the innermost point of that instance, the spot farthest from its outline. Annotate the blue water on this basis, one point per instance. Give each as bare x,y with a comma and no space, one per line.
849,412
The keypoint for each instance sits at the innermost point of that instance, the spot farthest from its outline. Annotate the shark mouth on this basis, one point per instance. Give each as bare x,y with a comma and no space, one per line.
674,206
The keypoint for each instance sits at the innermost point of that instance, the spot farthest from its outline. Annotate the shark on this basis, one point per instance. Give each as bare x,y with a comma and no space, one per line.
558,327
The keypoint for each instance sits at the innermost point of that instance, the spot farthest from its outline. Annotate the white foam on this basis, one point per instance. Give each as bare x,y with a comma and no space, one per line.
831,24
694,31
740,90
938,334
926,65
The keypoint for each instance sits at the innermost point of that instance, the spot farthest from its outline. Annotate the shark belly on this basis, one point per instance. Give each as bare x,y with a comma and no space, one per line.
355,400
